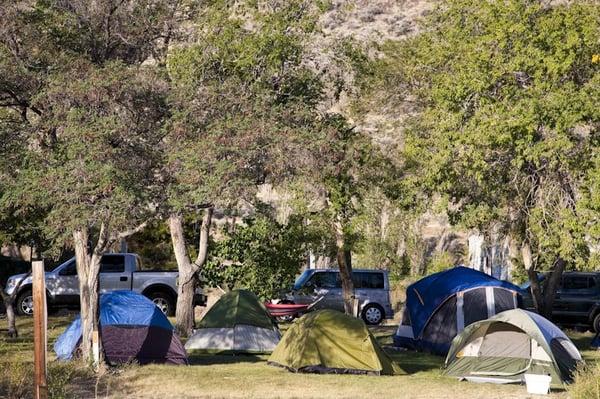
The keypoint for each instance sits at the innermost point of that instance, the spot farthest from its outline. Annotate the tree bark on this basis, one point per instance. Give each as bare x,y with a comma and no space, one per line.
542,295
88,270
82,261
534,283
11,320
551,285
9,305
188,271
344,260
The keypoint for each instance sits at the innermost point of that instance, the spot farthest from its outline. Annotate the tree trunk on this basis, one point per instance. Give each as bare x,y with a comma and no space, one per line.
184,311
543,296
188,271
551,285
11,320
535,288
88,269
344,260
9,306
82,261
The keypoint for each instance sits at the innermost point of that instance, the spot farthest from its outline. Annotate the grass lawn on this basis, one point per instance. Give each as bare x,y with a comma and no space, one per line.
245,376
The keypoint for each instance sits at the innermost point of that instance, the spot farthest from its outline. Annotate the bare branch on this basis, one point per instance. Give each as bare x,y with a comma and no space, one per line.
130,232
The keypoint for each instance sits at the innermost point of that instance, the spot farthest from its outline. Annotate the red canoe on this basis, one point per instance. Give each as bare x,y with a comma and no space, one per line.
285,309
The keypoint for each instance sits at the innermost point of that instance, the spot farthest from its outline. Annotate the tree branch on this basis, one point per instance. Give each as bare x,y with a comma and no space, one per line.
130,232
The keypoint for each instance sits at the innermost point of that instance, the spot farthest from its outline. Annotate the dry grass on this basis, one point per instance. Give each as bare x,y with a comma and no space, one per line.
248,376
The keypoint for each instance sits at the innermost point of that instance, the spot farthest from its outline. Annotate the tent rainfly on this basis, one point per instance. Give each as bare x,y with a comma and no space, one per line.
131,328
328,341
237,323
509,345
441,305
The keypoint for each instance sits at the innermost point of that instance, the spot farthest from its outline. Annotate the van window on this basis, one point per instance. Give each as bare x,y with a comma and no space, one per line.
112,264
326,280
372,280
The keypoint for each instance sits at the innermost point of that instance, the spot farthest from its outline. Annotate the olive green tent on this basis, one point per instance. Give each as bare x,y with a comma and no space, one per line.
237,323
509,345
328,341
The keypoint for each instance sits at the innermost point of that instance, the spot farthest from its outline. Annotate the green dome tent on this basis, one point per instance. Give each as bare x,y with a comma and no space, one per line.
509,345
237,323
328,341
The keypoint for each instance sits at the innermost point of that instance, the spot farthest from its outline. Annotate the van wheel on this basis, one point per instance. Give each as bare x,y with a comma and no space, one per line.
163,301
24,303
596,323
372,314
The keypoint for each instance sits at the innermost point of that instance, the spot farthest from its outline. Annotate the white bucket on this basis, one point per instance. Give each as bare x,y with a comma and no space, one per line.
538,383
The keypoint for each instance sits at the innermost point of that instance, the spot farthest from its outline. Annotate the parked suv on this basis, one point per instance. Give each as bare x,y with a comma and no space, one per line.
577,300
371,288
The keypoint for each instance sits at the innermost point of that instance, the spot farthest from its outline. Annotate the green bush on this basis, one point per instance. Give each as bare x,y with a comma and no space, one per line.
587,383
261,255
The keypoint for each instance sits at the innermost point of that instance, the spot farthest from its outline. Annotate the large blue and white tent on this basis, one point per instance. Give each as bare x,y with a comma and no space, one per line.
132,327
441,305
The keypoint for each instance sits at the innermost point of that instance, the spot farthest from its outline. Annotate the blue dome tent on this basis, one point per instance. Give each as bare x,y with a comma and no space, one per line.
131,328
441,305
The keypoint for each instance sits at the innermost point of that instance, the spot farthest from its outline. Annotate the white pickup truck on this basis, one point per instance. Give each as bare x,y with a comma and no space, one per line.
117,272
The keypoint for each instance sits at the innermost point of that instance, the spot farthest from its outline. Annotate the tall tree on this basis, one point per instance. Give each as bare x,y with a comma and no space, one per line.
239,99
504,96
344,166
90,121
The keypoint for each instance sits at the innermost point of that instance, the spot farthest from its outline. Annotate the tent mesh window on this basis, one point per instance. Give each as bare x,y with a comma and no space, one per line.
504,300
475,307
441,328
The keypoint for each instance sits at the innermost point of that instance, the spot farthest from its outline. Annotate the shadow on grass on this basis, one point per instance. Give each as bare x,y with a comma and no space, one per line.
416,362
581,341
410,361
207,359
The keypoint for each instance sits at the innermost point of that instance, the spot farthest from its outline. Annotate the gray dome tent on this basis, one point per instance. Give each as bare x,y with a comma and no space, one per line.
505,347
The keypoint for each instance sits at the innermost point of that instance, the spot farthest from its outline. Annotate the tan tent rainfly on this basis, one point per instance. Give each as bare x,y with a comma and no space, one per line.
328,341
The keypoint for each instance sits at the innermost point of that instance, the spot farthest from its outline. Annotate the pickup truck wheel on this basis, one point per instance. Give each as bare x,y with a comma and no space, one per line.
24,303
372,314
596,323
163,302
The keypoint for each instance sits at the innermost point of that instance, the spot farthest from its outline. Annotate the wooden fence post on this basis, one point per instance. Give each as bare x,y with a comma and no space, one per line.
39,329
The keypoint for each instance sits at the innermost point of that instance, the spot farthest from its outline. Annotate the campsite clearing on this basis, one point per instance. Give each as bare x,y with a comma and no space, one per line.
250,376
